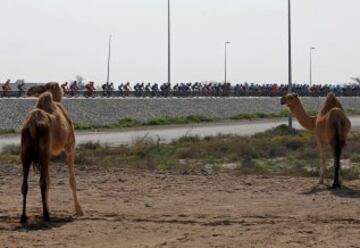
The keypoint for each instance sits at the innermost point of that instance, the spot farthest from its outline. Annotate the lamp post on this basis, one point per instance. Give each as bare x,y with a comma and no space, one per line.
311,49
108,64
169,44
290,58
226,43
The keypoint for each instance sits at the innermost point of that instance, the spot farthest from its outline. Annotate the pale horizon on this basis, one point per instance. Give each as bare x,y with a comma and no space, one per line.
55,40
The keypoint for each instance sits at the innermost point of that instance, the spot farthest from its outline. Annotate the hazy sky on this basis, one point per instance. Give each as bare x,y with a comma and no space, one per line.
54,40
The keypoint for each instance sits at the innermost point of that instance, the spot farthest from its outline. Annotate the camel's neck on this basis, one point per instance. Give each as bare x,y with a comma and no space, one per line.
308,122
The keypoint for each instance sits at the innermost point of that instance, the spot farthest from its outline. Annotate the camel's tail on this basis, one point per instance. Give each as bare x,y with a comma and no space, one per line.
339,127
35,140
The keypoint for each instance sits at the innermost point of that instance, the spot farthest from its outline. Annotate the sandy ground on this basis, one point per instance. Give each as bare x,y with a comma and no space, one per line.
141,209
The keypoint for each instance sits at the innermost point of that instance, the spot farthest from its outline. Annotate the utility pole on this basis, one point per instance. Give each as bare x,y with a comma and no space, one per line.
311,49
290,58
226,43
169,44
108,64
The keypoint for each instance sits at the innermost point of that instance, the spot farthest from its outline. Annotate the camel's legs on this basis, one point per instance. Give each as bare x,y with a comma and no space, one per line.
70,158
44,187
320,145
337,181
337,160
24,189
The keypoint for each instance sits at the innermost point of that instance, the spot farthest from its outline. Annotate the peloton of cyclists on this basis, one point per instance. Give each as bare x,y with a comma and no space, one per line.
108,89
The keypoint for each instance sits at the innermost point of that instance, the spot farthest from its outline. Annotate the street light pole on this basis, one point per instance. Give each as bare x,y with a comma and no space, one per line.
226,43
311,49
169,44
290,58
108,64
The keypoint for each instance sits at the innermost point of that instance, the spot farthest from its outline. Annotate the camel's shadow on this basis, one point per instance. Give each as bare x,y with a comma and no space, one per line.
344,192
37,223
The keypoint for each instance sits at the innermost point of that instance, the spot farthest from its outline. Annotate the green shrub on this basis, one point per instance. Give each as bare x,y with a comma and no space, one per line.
127,122
7,131
355,158
89,146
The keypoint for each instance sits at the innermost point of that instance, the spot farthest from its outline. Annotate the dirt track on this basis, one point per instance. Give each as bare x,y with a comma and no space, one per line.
136,209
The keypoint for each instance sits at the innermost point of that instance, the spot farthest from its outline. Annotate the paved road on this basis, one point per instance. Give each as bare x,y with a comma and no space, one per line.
168,133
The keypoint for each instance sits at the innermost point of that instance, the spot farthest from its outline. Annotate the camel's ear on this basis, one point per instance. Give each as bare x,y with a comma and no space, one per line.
296,95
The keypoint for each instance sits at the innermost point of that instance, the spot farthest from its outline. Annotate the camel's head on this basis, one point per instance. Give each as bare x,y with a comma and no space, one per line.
290,100
53,88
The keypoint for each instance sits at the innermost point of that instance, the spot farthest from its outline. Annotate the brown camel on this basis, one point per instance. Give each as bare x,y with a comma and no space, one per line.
46,132
330,126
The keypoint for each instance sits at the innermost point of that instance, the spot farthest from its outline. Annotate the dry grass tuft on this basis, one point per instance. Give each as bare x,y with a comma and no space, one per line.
277,151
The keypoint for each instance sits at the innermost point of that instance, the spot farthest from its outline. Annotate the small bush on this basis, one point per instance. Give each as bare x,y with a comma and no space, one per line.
7,131
355,158
89,146
199,119
11,159
188,139
83,126
243,116
281,130
352,111
127,122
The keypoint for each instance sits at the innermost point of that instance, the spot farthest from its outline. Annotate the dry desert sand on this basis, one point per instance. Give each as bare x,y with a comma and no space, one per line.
132,208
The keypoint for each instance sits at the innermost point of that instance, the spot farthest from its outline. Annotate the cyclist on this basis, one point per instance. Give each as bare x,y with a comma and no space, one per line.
65,88
6,88
90,89
21,88
121,89
127,89
74,88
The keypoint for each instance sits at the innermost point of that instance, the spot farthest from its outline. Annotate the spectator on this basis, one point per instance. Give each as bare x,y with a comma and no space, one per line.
6,88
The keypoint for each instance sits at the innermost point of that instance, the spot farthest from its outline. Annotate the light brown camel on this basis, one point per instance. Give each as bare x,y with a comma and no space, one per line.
330,126
46,132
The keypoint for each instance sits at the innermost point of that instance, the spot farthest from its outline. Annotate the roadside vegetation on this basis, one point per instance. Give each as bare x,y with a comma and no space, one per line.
280,151
193,119
170,120
130,122
7,131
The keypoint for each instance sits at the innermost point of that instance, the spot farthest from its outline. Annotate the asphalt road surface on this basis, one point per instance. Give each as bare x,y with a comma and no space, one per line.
169,133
